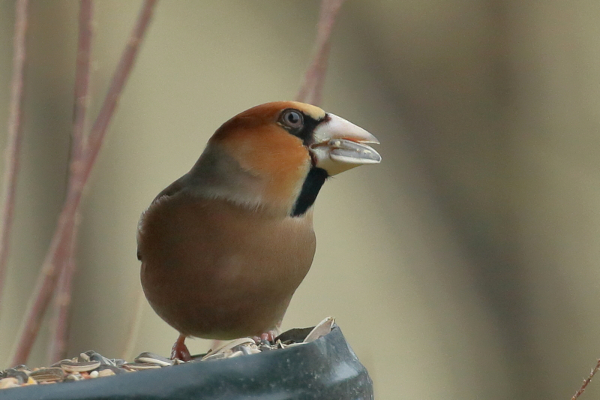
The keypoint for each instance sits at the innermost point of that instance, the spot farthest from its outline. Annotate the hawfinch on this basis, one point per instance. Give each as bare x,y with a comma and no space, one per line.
224,247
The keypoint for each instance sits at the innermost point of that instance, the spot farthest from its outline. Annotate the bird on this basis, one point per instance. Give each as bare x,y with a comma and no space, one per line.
224,247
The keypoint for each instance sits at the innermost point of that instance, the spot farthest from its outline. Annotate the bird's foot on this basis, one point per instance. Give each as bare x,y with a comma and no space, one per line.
180,350
266,337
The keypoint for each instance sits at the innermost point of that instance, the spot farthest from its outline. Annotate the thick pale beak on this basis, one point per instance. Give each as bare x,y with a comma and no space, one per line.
340,145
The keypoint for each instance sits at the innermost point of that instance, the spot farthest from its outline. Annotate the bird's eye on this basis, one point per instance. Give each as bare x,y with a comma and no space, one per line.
292,119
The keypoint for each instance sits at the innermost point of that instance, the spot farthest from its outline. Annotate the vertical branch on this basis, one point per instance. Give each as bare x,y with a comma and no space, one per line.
58,342
314,78
62,301
82,77
13,145
118,82
59,246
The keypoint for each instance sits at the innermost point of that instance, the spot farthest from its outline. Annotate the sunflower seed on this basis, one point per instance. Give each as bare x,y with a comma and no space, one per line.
20,376
58,363
322,329
52,374
85,366
147,357
140,366
91,355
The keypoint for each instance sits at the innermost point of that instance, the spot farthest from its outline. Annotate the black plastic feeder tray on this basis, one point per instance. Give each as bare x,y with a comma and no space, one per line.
326,368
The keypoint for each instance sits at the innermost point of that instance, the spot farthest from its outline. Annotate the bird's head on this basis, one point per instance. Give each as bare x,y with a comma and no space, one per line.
279,154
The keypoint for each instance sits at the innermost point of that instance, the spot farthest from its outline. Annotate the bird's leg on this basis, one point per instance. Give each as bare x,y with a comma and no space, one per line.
268,336
180,350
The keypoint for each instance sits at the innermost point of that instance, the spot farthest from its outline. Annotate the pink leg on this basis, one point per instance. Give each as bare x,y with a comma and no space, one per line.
268,336
180,350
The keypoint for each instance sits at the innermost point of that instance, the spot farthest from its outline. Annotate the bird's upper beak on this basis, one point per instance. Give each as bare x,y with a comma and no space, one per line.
340,145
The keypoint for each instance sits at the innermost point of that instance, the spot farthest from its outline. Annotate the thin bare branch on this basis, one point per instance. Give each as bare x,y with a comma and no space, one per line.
13,143
62,300
58,342
59,246
314,78
586,381
118,81
46,281
82,77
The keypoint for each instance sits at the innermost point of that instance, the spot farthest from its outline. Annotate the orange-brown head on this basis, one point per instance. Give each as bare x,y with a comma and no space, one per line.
276,156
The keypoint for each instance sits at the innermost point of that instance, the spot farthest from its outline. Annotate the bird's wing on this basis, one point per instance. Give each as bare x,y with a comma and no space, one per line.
169,191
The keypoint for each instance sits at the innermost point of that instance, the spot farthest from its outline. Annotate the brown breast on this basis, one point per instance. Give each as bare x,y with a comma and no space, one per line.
214,270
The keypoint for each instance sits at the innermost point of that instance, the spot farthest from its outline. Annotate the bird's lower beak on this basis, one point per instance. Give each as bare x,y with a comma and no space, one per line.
340,145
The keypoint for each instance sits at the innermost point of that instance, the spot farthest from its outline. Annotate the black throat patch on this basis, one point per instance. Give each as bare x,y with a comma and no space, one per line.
310,189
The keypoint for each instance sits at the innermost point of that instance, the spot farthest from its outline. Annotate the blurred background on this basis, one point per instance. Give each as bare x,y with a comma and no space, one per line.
464,266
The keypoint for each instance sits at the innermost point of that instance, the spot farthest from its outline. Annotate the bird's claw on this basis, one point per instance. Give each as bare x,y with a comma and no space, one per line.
180,350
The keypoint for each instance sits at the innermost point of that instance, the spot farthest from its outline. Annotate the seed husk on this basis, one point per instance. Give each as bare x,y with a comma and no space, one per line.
147,357
52,374
140,366
322,329
85,366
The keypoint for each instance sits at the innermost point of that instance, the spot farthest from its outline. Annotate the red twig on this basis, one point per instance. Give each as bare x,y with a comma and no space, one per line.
314,78
82,77
58,343
118,81
59,246
13,145
62,300
586,381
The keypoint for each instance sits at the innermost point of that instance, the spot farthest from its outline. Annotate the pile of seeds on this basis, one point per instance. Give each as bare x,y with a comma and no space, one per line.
91,365
88,365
